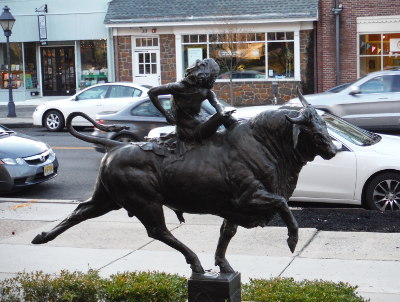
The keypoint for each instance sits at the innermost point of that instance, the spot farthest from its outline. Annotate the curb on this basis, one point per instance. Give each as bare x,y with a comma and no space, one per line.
33,200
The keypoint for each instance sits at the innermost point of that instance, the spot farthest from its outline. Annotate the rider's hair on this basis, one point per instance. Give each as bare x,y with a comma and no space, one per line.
200,70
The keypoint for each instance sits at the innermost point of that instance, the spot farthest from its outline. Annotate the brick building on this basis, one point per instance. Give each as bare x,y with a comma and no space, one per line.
263,45
366,30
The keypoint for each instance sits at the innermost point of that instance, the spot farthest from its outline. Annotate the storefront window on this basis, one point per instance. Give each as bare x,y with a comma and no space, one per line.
378,52
94,62
16,66
31,81
243,55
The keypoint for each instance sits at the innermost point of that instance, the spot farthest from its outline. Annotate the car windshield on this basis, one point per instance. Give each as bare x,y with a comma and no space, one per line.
339,88
350,132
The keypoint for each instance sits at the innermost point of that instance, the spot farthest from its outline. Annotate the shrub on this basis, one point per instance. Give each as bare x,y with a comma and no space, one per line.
288,290
145,287
158,287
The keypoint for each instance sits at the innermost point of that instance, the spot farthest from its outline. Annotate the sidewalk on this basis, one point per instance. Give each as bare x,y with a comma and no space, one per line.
23,110
116,243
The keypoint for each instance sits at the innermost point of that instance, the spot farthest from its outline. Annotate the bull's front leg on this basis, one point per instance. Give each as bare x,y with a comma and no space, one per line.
258,197
228,230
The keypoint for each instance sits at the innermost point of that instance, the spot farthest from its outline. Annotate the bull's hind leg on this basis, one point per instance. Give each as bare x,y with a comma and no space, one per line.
99,204
152,217
228,230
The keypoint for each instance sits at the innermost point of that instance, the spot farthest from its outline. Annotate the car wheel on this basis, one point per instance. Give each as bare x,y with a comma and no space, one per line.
383,192
125,138
54,121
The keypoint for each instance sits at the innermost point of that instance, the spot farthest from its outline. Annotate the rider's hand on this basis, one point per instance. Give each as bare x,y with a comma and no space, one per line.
229,113
170,120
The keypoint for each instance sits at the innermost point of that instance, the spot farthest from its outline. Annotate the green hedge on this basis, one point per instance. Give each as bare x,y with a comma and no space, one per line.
158,287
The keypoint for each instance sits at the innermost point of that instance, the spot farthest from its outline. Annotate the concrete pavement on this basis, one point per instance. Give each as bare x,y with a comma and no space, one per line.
116,243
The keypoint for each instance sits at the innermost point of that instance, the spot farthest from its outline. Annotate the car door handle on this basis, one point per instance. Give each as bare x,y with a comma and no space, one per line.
382,98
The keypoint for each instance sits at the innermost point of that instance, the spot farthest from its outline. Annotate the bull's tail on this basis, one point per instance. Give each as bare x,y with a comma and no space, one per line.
89,138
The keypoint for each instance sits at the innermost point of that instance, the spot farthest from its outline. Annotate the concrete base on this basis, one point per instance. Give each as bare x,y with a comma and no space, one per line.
214,287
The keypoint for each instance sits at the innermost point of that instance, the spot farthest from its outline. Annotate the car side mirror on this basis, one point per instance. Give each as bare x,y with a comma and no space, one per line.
355,90
338,145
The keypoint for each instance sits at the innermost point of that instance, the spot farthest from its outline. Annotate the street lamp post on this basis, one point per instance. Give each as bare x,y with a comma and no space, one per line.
7,22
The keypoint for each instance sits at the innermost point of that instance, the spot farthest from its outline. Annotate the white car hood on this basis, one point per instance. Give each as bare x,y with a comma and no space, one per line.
310,98
389,145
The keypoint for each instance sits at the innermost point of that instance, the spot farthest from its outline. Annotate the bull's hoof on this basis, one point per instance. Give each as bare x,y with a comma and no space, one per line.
197,268
224,266
292,242
40,239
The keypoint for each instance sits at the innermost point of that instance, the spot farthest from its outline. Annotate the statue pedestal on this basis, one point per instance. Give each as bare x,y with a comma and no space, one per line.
214,287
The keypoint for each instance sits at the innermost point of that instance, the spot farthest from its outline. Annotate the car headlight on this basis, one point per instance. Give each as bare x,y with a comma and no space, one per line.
11,161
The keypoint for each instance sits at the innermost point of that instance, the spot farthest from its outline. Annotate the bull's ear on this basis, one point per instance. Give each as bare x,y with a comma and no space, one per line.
296,133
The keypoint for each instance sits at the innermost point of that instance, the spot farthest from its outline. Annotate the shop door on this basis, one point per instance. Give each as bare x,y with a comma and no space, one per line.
58,70
147,71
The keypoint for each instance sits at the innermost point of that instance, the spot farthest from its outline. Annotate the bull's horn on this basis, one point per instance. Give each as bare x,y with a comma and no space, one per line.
301,98
301,119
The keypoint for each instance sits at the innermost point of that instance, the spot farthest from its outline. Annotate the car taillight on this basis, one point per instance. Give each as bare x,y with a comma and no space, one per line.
101,122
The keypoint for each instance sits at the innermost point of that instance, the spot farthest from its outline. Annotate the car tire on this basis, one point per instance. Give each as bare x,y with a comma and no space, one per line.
383,192
125,138
54,121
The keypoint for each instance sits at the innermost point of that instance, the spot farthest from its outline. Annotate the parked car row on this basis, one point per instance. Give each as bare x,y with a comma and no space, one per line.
366,171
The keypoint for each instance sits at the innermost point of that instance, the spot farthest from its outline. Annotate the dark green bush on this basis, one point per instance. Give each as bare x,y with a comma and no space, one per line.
288,290
158,287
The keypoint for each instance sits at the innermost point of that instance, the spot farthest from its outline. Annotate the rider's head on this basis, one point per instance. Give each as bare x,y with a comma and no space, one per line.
202,73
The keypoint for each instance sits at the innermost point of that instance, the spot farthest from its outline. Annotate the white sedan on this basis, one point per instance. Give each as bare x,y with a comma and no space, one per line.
365,171
92,100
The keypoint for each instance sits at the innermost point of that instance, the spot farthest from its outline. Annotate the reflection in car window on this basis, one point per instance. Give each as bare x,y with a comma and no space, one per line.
121,91
350,132
148,109
376,85
98,92
395,83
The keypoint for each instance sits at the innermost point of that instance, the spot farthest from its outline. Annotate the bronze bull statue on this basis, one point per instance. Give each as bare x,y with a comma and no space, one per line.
245,175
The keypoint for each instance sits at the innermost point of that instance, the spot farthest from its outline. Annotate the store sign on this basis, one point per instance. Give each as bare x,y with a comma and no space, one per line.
42,27
194,54
394,45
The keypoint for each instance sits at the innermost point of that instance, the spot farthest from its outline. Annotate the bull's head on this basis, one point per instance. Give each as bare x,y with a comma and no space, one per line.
310,123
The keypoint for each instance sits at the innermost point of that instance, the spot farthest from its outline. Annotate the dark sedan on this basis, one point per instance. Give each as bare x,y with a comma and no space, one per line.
140,116
24,161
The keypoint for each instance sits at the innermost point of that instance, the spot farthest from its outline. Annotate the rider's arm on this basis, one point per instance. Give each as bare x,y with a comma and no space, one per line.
212,98
153,95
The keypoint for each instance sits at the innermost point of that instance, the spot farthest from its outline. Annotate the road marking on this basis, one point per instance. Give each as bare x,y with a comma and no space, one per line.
73,148
24,204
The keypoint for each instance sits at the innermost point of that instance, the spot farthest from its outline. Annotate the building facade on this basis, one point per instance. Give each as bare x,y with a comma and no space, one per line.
265,49
57,48
369,40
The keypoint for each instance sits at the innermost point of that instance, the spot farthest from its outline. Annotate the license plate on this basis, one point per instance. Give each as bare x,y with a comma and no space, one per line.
48,169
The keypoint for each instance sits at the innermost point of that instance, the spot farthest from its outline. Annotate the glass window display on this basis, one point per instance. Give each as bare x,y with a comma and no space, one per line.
16,66
243,55
94,62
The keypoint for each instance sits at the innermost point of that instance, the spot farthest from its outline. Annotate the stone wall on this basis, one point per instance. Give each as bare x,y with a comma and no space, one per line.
246,93
123,58
167,59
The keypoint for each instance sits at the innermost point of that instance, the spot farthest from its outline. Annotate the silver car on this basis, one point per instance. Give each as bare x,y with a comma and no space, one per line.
24,161
371,102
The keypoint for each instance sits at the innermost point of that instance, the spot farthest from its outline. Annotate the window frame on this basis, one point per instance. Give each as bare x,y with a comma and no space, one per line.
183,41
